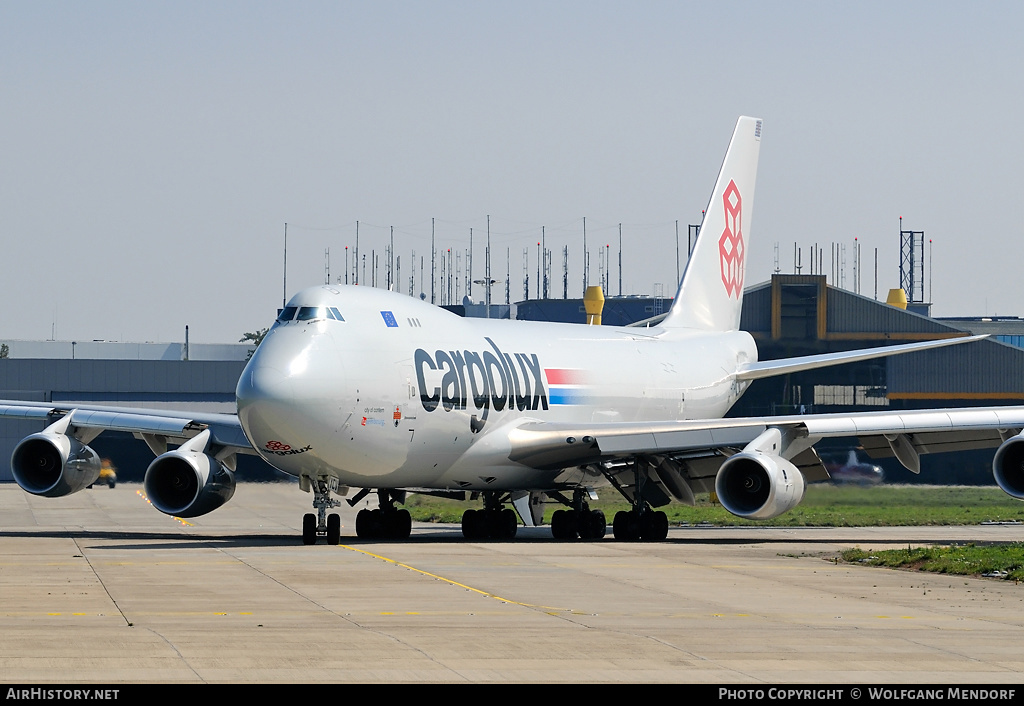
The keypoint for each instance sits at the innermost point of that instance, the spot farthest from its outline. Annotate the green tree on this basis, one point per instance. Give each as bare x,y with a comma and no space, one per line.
256,338
4,350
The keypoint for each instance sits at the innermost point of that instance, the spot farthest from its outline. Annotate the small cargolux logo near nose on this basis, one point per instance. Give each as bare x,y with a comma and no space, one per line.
730,245
280,449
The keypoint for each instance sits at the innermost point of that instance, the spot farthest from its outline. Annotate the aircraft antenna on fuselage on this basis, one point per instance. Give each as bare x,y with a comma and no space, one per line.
710,295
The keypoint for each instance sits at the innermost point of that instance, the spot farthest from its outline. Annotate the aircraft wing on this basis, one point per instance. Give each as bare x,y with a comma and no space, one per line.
771,368
904,434
225,430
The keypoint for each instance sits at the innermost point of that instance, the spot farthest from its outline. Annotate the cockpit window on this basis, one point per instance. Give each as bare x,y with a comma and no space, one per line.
308,313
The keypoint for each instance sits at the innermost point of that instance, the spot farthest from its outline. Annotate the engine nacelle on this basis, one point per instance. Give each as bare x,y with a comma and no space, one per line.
188,483
1008,466
758,486
53,464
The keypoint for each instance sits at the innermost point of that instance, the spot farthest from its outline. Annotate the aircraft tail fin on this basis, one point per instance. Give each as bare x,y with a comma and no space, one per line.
711,293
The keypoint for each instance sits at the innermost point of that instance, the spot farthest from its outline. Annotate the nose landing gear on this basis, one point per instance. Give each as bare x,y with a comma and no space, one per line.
321,524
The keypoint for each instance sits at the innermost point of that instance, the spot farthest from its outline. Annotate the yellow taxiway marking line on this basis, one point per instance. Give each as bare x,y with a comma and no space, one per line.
486,594
143,496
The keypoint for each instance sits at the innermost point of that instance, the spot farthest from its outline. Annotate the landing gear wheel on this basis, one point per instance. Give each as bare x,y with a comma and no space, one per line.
319,524
490,524
585,525
399,524
378,524
596,524
563,525
508,524
578,520
643,522
365,525
309,528
652,526
623,527
656,529
333,529
471,525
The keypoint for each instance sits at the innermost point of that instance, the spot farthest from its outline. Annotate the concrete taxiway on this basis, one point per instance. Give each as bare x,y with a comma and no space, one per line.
100,587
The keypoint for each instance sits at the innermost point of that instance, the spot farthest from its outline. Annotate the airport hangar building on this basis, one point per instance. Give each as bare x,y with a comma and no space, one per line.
791,315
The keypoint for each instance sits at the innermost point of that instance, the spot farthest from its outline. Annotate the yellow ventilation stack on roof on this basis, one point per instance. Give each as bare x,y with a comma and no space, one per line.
593,303
897,298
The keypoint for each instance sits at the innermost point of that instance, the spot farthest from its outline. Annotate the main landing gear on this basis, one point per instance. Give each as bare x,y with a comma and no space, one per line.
642,522
493,522
580,521
322,524
387,521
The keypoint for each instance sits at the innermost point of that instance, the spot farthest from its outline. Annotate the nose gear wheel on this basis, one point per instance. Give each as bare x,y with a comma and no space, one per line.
321,524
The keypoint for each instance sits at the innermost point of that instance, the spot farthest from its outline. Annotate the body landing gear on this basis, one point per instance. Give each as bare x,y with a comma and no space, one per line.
642,523
322,524
580,521
493,522
386,522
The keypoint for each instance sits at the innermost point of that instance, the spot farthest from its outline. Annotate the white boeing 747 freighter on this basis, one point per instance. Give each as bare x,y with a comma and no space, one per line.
357,390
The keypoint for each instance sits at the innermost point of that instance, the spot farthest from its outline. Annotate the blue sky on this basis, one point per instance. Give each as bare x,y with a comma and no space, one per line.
152,152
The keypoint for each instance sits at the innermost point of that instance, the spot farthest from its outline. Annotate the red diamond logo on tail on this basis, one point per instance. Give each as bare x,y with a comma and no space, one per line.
730,245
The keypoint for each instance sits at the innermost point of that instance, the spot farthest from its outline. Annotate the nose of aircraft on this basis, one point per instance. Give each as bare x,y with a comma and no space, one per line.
273,388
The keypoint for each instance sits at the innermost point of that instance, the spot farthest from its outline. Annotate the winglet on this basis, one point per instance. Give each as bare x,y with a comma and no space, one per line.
711,293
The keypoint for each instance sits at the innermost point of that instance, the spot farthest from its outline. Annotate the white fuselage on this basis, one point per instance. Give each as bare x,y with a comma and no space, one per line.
403,394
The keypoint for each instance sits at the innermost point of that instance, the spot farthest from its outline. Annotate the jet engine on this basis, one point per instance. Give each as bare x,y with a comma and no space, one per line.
53,464
758,486
1008,466
188,482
